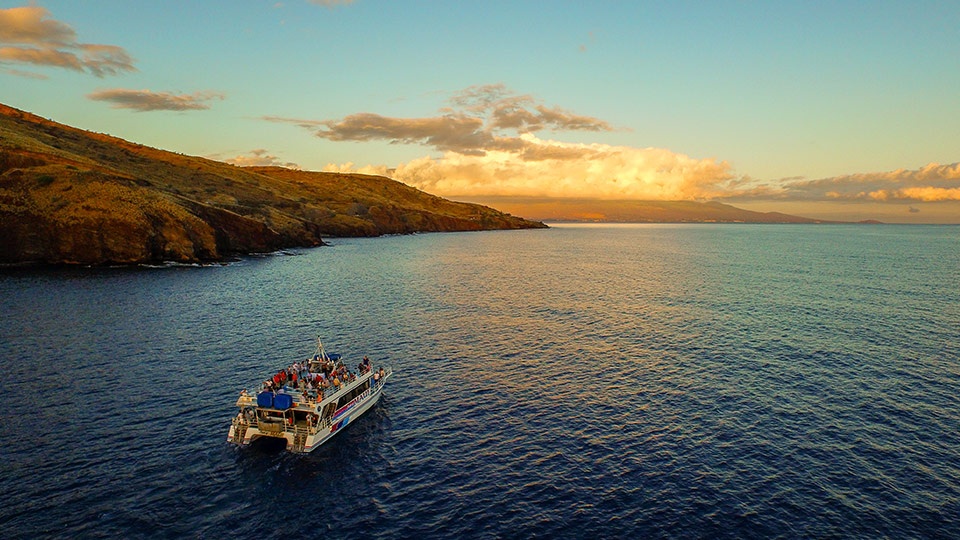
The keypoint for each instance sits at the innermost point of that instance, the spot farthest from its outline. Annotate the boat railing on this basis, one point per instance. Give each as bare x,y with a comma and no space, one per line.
243,422
283,427
271,427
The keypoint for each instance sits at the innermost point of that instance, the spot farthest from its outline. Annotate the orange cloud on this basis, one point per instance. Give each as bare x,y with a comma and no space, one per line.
929,194
543,168
28,25
147,100
563,170
490,146
30,37
932,182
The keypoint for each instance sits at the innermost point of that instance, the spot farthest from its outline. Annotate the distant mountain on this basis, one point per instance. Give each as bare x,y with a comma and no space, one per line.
627,211
69,196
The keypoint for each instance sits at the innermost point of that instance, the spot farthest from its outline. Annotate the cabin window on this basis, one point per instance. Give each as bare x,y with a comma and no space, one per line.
349,396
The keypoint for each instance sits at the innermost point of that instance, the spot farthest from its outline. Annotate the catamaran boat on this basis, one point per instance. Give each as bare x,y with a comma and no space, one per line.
309,402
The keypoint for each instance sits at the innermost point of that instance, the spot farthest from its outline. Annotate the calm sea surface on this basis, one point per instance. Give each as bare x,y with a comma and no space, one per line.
650,381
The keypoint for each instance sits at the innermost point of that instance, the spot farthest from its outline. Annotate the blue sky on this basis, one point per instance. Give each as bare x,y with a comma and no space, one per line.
820,108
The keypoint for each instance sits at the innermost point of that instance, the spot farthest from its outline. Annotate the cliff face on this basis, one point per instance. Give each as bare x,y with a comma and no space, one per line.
68,196
91,219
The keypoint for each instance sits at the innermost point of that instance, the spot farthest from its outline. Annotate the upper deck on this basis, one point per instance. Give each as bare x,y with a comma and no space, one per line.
315,398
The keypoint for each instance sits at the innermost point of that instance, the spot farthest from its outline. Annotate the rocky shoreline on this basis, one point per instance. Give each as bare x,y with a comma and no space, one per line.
73,197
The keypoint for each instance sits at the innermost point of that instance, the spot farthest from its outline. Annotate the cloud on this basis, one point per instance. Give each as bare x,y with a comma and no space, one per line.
492,143
28,25
933,182
260,158
28,36
562,170
452,132
544,168
481,119
522,113
147,100
925,194
20,73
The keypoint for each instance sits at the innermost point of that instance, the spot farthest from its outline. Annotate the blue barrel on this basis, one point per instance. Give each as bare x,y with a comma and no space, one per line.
282,401
265,399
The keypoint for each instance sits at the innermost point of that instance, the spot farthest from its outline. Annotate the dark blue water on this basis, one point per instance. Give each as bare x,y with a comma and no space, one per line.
648,381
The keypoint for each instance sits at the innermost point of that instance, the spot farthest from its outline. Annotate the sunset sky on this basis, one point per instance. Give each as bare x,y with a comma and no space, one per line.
837,110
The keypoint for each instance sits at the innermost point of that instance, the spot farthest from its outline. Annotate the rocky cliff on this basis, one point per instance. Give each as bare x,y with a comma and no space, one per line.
76,197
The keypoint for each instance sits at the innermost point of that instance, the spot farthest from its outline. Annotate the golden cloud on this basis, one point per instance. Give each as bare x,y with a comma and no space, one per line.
30,37
932,182
489,144
928,194
489,147
563,170
598,171
29,25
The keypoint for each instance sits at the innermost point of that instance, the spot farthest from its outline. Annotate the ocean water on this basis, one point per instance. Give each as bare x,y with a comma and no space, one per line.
634,381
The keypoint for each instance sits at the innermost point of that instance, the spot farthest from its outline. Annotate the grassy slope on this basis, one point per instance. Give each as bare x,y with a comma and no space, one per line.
68,195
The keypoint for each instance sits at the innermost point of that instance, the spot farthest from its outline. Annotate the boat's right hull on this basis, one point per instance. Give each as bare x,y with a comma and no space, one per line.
315,441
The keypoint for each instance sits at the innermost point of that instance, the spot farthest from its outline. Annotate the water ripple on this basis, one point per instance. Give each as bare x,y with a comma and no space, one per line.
577,382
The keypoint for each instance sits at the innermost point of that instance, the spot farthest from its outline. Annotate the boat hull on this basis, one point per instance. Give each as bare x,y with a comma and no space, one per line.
315,441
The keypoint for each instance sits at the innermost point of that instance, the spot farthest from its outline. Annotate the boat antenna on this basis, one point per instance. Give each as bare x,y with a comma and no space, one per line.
323,353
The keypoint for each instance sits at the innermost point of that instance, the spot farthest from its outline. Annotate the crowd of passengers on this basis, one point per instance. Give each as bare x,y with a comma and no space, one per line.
313,385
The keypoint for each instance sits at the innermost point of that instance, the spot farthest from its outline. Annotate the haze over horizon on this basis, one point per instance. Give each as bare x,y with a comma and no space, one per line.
841,112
